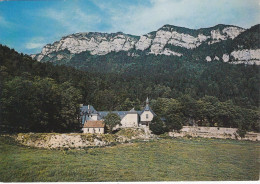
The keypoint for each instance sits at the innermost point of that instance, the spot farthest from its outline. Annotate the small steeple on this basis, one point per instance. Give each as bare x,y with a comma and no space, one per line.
147,108
147,101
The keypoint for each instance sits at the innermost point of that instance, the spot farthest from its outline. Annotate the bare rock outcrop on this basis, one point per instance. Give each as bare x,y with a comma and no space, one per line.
157,42
81,140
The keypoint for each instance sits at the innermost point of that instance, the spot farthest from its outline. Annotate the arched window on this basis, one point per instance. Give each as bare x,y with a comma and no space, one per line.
146,116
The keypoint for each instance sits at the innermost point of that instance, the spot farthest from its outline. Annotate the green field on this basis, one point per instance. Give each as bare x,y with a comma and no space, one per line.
159,160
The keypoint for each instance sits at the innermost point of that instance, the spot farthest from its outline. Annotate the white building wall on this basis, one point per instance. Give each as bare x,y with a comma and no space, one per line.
130,120
94,130
147,116
92,117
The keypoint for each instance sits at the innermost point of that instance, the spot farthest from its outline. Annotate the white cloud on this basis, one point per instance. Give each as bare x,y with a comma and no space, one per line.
143,18
35,43
4,22
32,45
73,19
63,21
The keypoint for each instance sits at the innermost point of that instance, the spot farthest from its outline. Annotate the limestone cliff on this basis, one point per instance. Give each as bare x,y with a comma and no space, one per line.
164,41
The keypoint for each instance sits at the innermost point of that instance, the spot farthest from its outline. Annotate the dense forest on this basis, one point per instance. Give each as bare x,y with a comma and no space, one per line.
42,97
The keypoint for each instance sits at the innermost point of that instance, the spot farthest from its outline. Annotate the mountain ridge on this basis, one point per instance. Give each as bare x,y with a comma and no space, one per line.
168,40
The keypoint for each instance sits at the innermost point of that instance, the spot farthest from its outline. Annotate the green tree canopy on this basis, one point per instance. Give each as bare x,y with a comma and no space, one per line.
43,96
157,126
39,105
111,120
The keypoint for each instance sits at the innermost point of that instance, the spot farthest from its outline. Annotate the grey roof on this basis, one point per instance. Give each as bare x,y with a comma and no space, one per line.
88,109
85,110
148,108
121,114
163,118
132,110
83,118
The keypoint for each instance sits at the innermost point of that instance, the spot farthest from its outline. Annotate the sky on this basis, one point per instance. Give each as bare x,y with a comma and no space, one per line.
28,25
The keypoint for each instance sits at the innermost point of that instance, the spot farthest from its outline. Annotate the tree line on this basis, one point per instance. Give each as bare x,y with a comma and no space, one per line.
45,97
206,111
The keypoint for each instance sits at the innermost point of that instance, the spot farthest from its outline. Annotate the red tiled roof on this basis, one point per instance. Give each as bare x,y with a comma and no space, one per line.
94,124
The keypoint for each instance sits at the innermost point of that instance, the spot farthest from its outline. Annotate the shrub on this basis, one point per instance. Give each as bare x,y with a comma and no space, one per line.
111,120
241,132
157,126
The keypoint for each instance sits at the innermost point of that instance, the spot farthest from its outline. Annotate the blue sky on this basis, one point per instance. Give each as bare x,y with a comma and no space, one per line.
28,25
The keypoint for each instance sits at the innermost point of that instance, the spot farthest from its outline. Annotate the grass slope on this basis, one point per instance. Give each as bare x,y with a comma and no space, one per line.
160,160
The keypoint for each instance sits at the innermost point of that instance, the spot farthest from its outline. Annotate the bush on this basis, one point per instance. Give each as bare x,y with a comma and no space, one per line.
241,132
157,126
111,120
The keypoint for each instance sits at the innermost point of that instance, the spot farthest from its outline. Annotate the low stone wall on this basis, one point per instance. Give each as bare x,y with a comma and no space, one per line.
79,140
214,132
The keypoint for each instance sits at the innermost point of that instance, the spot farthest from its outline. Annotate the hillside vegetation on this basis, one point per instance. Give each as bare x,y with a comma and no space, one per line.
41,97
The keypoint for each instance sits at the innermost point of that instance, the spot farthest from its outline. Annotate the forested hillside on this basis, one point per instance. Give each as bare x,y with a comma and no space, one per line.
43,97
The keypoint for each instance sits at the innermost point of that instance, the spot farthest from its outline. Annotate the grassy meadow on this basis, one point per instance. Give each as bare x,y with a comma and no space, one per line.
158,160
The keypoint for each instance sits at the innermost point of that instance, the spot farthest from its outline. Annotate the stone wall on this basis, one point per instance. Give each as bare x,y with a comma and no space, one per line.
214,132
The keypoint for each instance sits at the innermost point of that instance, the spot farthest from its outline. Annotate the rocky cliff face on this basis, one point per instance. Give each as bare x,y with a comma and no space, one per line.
164,41
96,43
246,56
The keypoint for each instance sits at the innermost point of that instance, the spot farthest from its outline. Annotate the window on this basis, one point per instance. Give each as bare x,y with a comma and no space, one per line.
146,116
91,115
99,129
88,129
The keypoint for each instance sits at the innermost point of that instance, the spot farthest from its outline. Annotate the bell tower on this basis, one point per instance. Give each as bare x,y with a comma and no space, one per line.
147,114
